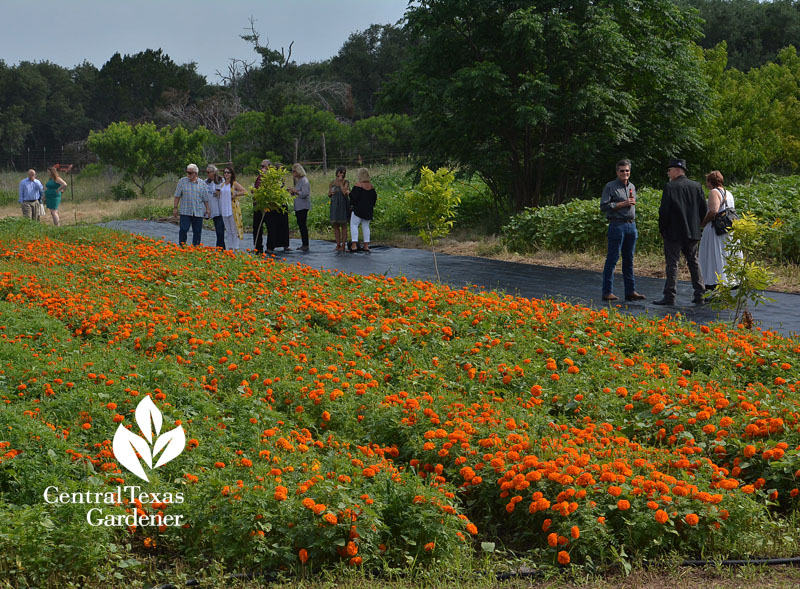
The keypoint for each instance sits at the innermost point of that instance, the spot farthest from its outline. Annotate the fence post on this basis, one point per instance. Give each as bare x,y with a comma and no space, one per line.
324,156
296,143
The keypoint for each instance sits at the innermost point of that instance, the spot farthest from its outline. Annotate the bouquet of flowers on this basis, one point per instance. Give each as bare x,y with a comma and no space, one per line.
270,195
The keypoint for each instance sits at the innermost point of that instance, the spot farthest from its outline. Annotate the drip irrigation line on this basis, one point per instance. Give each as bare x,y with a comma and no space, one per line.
795,561
530,573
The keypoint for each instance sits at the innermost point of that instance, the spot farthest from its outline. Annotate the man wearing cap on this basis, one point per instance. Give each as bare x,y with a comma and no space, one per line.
191,200
618,202
683,207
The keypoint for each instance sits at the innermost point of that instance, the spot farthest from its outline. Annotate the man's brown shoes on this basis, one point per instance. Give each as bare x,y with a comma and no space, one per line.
635,296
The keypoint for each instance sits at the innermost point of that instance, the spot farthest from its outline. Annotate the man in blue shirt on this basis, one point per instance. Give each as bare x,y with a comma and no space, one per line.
619,205
30,195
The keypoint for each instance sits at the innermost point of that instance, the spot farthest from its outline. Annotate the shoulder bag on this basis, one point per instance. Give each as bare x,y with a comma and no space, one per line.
723,220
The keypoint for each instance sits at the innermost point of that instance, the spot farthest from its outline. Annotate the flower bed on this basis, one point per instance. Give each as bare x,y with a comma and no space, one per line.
378,422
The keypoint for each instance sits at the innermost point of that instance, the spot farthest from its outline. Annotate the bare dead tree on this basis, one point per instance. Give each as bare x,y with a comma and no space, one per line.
328,94
214,113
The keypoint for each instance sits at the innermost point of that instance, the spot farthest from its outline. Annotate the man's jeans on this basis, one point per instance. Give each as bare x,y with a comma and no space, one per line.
196,223
621,239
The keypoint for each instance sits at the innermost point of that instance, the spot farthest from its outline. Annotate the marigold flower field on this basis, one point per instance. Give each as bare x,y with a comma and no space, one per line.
337,420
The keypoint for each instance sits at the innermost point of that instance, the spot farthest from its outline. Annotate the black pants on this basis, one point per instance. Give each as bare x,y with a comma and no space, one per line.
302,224
672,255
219,227
259,219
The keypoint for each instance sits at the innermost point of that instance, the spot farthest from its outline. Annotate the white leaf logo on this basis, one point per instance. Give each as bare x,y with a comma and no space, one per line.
126,444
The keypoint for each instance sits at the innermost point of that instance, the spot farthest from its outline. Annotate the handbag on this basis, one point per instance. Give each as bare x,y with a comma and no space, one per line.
42,209
723,220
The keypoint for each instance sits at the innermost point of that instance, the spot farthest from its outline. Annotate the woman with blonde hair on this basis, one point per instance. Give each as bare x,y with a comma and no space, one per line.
302,201
52,194
362,203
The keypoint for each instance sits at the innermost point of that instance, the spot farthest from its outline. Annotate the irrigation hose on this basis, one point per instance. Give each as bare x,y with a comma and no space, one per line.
791,561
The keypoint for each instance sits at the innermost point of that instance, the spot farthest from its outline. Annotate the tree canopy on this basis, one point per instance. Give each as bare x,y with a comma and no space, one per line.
537,97
754,31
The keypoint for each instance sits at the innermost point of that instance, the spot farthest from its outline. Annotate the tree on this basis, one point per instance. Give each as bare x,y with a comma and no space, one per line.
431,207
539,98
755,32
132,87
143,152
367,60
736,138
746,275
305,124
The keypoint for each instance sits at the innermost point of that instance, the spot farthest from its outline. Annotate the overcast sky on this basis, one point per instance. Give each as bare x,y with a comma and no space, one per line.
203,31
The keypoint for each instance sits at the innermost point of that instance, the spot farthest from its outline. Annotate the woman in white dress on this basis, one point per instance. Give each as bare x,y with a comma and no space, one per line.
713,252
229,191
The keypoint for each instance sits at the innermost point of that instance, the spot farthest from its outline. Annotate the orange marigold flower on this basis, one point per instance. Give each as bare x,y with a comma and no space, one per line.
246,462
575,532
692,519
331,519
623,505
552,539
219,464
472,528
430,546
351,549
303,554
661,516
563,558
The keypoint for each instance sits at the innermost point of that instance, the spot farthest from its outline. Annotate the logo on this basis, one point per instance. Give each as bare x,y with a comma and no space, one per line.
126,444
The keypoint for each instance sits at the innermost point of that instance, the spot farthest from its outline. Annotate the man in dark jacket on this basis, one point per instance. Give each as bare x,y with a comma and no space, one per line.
683,206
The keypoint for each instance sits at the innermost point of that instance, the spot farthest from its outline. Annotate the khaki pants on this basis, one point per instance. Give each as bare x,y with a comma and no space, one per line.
30,209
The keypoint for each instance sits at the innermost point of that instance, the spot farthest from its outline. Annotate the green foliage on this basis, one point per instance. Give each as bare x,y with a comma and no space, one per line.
536,97
122,191
746,276
271,194
579,224
143,152
754,31
249,138
431,204
366,61
736,139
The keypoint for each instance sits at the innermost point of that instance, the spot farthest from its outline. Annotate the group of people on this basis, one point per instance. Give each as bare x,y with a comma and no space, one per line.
355,207
218,199
685,223
33,196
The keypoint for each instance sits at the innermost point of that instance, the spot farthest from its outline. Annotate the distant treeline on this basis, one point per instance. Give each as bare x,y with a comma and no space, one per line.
393,89
46,105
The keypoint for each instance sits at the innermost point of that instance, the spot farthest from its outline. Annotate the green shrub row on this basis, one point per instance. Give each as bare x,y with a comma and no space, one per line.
579,225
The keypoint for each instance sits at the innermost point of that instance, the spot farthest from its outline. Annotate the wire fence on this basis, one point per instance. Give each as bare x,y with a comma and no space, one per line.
79,156
40,158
